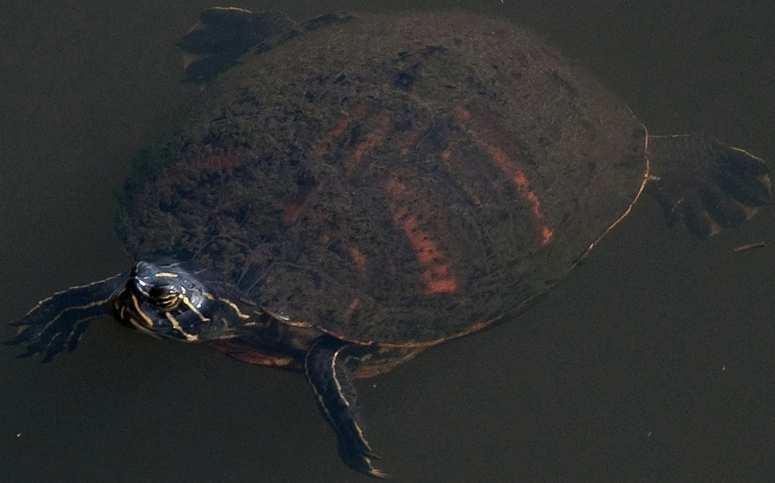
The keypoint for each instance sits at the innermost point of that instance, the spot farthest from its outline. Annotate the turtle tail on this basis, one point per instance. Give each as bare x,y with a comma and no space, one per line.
706,184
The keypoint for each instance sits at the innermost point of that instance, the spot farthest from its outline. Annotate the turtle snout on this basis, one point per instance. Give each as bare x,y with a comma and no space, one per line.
142,278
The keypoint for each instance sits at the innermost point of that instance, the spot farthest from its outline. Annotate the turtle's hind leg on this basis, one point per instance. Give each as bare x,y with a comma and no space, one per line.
223,34
707,184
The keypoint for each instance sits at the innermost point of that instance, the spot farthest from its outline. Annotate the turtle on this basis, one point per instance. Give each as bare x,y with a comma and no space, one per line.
348,191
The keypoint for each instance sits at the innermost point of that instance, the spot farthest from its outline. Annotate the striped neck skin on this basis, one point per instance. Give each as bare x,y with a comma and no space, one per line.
170,302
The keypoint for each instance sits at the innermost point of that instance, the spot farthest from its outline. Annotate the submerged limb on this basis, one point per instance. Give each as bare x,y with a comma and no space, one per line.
58,322
326,369
223,34
707,184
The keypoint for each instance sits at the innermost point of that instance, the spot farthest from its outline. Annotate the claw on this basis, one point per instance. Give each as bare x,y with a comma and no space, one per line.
749,191
727,212
698,220
364,464
378,473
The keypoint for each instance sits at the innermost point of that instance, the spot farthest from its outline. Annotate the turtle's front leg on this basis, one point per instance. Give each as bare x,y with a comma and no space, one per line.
58,322
327,372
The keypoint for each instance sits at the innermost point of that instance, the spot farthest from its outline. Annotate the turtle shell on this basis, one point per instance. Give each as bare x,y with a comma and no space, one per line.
399,179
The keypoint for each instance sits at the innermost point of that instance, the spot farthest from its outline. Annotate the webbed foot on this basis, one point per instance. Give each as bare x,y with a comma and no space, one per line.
223,34
327,372
707,184
58,322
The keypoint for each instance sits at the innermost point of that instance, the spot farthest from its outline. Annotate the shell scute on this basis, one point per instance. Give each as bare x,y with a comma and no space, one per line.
400,192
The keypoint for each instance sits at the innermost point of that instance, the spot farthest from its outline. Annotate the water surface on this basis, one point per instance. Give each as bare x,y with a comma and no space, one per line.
653,361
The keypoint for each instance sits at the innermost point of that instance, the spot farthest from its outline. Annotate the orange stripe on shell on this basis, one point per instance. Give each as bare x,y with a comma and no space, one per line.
437,274
512,170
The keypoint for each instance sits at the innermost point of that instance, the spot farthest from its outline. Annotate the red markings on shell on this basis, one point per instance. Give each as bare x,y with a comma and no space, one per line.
221,161
335,133
355,303
192,166
293,208
291,211
359,259
436,272
410,141
372,141
510,168
204,161
213,161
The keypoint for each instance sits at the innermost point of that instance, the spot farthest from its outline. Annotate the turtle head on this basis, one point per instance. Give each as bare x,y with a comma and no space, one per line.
169,301
160,299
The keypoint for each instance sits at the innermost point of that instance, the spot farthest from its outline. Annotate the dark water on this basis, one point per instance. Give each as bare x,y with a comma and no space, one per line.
652,362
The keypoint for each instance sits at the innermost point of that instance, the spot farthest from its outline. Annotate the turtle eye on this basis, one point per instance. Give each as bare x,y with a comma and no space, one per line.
164,296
